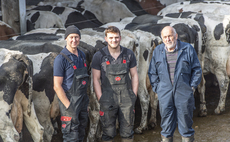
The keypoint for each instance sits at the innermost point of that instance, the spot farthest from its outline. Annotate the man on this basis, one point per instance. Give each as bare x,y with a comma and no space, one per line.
70,85
116,93
174,74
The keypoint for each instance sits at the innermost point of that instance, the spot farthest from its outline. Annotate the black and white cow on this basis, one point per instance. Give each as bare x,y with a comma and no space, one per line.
43,19
211,7
79,17
104,10
16,97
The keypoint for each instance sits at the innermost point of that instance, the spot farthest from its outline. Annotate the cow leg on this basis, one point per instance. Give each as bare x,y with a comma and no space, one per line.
7,131
94,117
223,81
32,124
144,101
17,114
42,108
153,105
54,112
31,121
201,90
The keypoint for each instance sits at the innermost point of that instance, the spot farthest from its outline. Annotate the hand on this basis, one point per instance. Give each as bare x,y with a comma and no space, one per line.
193,89
67,105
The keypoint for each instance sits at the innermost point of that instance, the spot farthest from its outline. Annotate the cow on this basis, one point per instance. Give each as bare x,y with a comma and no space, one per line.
100,8
211,7
42,19
69,16
16,97
6,31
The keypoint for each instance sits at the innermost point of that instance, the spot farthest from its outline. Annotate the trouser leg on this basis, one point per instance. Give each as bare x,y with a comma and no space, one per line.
188,139
185,106
168,114
108,116
70,123
126,115
83,118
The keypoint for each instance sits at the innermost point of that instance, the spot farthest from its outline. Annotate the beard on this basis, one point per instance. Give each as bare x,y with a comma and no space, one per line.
171,45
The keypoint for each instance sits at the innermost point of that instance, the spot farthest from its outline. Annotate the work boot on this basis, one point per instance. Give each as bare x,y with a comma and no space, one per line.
164,139
188,139
126,140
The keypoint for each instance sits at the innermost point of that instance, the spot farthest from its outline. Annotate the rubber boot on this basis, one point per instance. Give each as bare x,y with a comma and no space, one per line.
164,139
188,139
126,140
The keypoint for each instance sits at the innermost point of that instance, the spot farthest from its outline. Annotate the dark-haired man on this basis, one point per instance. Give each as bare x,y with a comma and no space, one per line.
70,85
115,90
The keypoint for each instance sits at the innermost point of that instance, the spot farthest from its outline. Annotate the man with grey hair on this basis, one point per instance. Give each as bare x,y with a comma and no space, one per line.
174,74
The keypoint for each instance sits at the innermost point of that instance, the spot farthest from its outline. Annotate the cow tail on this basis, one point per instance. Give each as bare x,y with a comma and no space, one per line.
29,80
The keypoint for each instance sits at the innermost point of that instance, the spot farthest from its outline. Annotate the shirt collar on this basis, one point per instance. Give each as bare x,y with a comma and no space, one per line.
173,50
67,52
107,50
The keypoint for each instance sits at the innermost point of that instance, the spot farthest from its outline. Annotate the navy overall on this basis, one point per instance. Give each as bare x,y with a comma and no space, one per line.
75,118
117,100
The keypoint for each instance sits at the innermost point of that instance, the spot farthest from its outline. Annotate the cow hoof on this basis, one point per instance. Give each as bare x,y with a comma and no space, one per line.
138,130
218,110
203,113
16,137
152,125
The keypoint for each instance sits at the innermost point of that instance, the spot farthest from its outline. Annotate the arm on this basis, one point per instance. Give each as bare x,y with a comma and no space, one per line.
153,76
196,71
134,78
60,91
96,82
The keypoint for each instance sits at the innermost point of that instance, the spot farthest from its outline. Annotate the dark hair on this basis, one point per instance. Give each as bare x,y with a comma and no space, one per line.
112,29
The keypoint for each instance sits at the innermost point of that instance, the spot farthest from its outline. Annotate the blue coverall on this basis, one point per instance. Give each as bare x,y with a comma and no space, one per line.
176,101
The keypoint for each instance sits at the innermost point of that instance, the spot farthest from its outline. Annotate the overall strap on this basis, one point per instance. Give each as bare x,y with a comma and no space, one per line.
69,60
124,55
104,55
82,58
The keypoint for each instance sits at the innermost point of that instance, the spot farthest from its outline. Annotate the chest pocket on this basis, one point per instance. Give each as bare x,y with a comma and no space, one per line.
117,74
82,81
